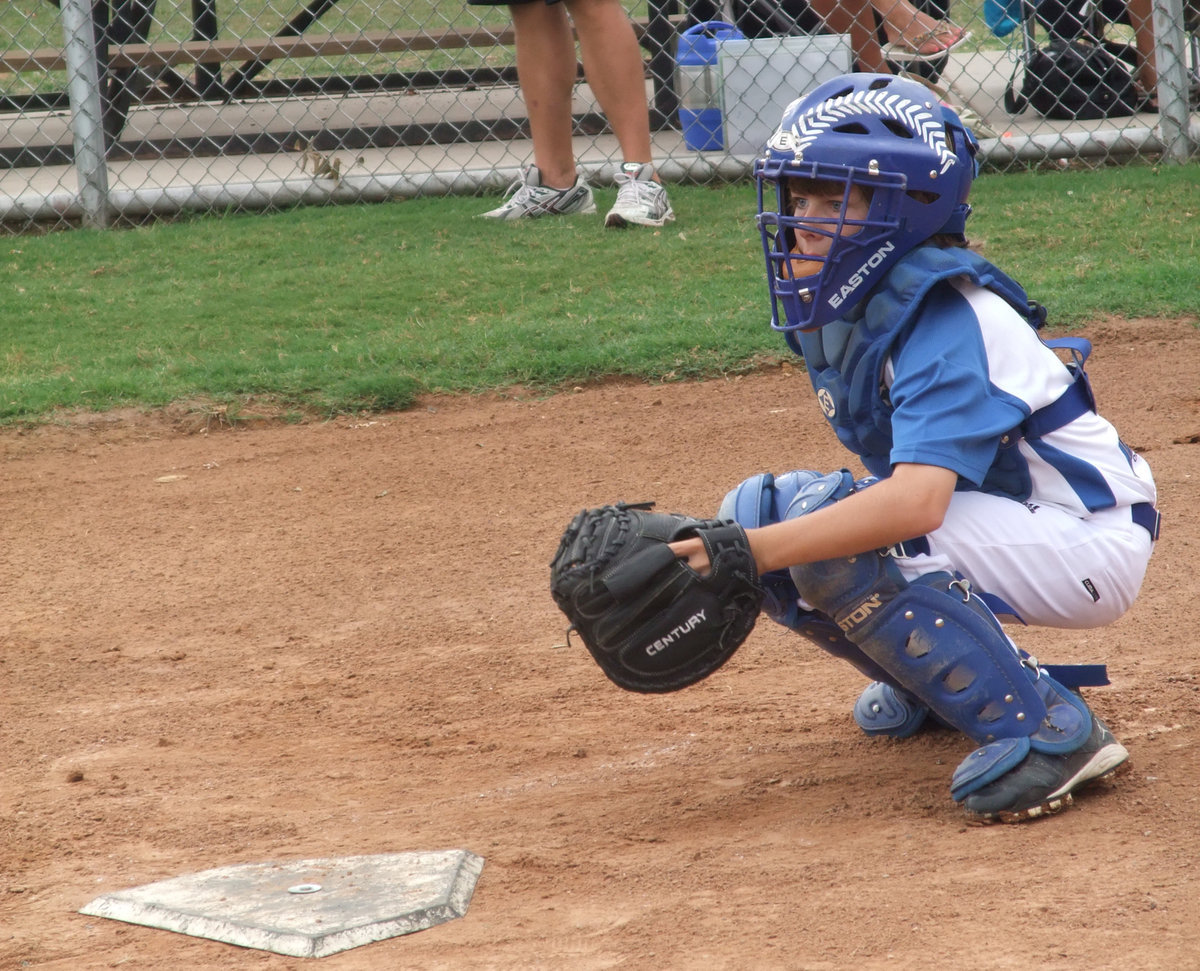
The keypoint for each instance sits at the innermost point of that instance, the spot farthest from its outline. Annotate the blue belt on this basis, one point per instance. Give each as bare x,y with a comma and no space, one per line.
1149,518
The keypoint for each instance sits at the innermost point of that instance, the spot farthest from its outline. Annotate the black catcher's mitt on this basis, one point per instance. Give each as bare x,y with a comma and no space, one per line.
651,622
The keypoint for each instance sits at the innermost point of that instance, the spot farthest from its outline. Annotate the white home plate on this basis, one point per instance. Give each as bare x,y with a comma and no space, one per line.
306,908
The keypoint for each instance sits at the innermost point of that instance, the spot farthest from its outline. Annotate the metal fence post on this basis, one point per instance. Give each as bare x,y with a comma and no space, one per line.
1171,59
83,90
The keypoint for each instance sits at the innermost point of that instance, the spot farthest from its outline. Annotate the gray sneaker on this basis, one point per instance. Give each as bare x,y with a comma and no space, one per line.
640,200
529,199
1042,784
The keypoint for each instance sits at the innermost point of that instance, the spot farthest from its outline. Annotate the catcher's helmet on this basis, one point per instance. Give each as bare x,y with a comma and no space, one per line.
889,136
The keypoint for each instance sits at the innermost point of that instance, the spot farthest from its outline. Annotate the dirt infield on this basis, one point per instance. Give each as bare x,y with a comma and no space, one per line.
222,646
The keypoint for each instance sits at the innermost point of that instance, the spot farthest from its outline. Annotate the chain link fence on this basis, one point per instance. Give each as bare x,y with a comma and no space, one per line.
114,111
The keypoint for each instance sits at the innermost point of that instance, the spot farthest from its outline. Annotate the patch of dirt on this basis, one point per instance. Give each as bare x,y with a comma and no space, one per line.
289,641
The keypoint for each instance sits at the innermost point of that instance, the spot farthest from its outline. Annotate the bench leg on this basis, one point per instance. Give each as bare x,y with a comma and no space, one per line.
293,28
204,27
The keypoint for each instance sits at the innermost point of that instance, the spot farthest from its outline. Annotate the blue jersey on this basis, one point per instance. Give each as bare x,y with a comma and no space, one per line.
963,379
942,367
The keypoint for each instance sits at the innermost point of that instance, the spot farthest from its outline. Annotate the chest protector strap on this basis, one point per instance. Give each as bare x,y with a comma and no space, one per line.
1077,400
845,359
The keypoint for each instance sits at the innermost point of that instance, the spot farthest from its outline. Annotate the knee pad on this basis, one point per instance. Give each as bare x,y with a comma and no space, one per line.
765,499
760,501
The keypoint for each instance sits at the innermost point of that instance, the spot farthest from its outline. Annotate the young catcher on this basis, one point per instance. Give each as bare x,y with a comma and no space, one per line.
994,486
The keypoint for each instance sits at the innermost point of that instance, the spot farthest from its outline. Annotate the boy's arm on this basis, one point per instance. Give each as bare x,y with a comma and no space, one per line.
911,502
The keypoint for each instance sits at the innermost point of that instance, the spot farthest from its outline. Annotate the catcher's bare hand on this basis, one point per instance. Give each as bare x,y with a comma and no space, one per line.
693,553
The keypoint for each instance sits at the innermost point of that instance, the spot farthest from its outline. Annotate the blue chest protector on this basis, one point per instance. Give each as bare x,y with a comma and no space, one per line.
845,359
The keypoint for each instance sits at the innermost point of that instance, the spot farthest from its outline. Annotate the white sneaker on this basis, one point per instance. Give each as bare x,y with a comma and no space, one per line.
528,198
640,199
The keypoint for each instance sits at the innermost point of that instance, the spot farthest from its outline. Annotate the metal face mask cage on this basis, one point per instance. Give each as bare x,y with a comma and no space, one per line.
857,246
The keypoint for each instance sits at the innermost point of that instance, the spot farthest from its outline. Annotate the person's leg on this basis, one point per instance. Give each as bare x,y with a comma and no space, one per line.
546,71
1141,18
901,19
1052,568
857,19
612,63
946,650
904,24
613,66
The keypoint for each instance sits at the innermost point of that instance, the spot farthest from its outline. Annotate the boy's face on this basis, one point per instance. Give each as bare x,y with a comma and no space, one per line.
822,201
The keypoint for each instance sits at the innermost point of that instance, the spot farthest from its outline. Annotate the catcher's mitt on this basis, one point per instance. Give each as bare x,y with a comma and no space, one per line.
652,622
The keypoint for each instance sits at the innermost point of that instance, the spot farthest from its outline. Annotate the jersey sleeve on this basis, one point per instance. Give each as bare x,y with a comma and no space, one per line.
947,411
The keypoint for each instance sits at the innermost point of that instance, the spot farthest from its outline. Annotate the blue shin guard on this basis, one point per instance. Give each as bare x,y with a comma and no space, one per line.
933,645
935,640
941,644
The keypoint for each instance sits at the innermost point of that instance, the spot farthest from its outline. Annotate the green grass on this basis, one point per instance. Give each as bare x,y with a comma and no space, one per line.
362,308
1122,242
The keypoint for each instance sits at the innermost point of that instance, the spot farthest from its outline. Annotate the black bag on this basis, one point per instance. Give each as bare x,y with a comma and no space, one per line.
1073,80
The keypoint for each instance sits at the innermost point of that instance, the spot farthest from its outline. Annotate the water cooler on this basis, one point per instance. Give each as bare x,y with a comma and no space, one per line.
699,85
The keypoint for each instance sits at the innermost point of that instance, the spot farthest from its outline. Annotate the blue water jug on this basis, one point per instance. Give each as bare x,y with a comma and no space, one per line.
698,86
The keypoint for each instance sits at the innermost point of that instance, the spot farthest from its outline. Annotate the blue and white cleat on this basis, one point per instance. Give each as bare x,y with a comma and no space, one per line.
1042,784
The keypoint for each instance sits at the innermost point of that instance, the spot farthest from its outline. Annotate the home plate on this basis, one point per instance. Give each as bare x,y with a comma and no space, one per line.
306,908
